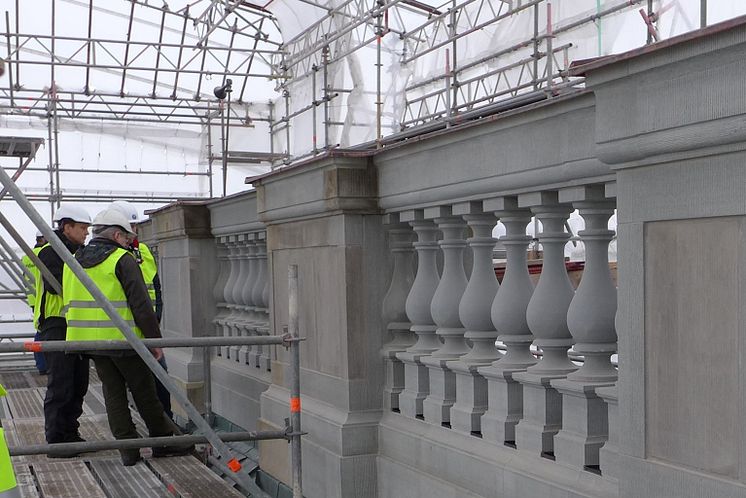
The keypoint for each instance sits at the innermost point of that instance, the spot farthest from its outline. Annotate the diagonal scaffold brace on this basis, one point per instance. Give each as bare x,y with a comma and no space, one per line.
226,462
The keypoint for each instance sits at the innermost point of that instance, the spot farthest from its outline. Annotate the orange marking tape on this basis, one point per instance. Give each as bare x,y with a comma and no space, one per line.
234,465
32,346
294,405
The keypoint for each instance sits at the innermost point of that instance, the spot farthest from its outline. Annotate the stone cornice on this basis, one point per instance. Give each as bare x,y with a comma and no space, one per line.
682,97
181,220
235,214
332,184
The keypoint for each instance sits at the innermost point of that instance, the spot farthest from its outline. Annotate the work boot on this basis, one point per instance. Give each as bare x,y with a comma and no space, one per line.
166,451
130,457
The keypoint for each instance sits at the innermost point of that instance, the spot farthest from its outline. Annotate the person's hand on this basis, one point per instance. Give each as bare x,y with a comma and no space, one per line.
157,353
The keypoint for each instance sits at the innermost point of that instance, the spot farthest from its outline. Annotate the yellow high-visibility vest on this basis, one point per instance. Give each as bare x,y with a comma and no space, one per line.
7,475
52,303
149,269
86,320
31,298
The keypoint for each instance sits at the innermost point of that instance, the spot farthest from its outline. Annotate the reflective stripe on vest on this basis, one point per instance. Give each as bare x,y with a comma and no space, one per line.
31,282
52,303
86,320
149,269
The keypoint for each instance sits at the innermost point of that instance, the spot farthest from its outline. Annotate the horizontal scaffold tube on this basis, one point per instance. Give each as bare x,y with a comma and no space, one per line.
146,442
171,342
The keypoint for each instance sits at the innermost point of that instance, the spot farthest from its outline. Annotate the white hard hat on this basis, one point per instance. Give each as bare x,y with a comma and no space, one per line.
73,212
112,217
127,209
39,234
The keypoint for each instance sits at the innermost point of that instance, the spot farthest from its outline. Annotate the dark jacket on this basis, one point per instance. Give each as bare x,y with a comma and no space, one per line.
129,275
54,264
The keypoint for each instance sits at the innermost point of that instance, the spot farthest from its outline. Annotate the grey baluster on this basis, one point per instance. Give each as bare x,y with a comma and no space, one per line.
416,379
590,319
218,290
445,312
262,306
244,352
505,394
475,315
238,322
546,316
394,311
232,244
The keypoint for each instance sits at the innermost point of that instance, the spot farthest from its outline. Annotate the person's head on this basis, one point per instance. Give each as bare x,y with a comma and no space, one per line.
40,240
73,221
128,210
113,225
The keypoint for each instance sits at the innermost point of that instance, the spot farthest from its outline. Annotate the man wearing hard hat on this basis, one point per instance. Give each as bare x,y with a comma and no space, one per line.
116,272
149,268
41,364
8,488
67,379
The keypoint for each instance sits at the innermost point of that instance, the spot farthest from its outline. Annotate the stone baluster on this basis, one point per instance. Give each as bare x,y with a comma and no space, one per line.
228,330
239,318
505,394
445,312
269,352
546,316
260,293
249,323
218,290
416,379
394,308
590,319
475,315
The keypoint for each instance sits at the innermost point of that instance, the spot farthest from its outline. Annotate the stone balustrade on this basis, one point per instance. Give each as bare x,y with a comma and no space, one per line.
443,363
241,294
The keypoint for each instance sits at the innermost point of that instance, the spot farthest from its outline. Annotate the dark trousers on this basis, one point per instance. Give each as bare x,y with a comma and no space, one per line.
163,395
67,384
119,373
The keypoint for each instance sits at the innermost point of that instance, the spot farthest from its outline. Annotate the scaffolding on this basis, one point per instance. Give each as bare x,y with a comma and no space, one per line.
433,62
25,149
357,74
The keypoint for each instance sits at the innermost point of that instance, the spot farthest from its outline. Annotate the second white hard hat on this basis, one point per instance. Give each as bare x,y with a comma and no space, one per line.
127,209
73,212
112,217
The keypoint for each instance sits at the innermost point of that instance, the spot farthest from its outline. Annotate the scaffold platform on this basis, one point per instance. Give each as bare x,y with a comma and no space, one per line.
98,474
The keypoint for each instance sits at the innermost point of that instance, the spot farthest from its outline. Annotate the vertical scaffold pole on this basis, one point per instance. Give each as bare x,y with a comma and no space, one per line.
294,380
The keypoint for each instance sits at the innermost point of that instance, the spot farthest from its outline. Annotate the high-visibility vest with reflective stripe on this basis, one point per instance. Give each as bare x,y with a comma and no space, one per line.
7,475
31,298
149,270
52,302
86,320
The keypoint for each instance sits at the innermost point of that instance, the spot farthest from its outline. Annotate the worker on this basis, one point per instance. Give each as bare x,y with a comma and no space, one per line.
149,268
8,488
116,272
41,364
67,379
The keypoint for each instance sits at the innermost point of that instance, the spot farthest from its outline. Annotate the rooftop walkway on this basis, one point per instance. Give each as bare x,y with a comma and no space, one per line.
92,475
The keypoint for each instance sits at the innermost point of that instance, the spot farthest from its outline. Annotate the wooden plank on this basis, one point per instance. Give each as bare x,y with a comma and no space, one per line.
26,403
188,478
70,479
25,481
126,482
35,379
14,380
